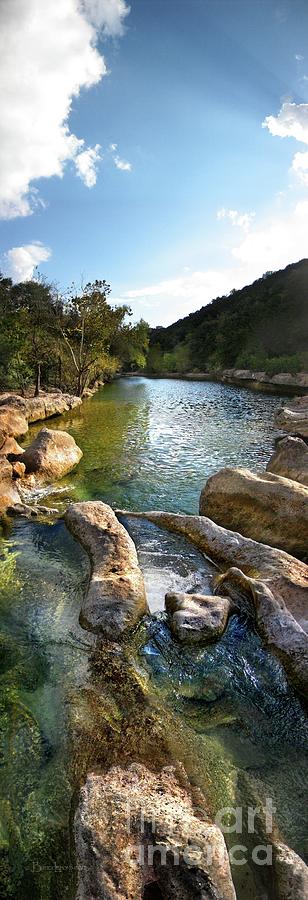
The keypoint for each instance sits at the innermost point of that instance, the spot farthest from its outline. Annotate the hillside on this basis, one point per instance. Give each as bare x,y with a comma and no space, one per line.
264,326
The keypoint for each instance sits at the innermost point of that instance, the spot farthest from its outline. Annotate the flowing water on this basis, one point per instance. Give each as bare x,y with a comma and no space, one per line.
239,727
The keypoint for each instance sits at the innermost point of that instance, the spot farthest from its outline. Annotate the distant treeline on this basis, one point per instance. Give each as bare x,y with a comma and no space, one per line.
263,327
65,341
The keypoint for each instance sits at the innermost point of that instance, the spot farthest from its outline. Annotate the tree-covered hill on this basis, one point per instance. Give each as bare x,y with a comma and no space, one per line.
264,326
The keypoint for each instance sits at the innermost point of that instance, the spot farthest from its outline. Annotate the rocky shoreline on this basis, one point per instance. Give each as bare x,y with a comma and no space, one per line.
258,381
257,576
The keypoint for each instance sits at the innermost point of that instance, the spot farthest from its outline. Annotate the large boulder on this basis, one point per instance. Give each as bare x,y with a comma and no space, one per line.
197,618
51,455
293,416
137,835
116,598
290,460
264,507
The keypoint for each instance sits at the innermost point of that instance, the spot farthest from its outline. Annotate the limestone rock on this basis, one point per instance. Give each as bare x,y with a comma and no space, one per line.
264,507
274,622
196,618
115,598
19,469
293,416
291,873
182,855
286,576
13,422
10,447
290,460
8,492
51,455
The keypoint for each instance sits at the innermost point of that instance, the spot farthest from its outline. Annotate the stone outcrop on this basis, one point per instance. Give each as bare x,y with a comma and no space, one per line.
196,618
293,416
290,460
115,599
286,576
138,836
34,409
51,455
264,507
274,622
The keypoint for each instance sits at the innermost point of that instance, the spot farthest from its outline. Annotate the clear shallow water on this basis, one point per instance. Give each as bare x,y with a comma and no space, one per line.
151,444
146,444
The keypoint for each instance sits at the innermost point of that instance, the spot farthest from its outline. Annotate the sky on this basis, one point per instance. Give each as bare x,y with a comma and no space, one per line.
161,145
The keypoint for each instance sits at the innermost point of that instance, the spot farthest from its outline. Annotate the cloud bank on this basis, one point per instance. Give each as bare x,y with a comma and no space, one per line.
48,54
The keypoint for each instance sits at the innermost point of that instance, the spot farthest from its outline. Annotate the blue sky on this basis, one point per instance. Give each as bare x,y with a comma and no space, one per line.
197,197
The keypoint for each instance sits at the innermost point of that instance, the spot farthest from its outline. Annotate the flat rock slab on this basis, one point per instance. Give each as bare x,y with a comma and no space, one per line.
51,455
197,618
135,828
116,597
264,507
290,460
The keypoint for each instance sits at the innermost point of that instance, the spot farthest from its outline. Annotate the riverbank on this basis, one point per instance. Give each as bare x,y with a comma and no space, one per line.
258,381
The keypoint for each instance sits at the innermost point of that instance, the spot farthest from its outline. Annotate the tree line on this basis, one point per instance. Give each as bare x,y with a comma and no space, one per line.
66,341
263,327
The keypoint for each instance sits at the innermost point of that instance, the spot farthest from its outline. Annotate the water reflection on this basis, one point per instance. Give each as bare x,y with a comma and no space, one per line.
152,443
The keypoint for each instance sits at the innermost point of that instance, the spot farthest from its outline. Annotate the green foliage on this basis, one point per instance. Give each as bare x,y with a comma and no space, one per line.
65,342
262,327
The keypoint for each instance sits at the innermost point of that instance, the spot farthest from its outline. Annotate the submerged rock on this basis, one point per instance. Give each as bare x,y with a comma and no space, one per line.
196,618
290,460
116,598
293,416
138,836
264,507
51,455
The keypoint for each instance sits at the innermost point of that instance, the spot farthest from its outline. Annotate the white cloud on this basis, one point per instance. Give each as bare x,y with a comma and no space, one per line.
273,244
242,220
107,15
86,165
299,57
48,54
22,261
121,164
292,121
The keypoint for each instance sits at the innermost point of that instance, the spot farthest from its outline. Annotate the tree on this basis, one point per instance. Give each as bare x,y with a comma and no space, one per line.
89,328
